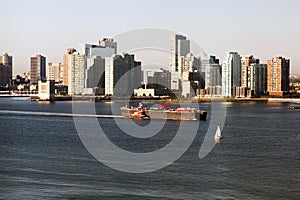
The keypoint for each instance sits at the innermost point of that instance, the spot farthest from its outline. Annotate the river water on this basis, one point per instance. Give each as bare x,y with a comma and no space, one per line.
42,157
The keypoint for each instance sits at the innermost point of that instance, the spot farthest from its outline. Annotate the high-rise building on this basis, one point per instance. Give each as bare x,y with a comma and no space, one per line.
96,75
37,69
179,46
183,50
174,52
278,75
108,43
4,76
257,79
231,74
6,59
68,52
76,73
5,70
213,79
213,60
94,62
159,78
189,66
55,72
106,48
246,62
122,75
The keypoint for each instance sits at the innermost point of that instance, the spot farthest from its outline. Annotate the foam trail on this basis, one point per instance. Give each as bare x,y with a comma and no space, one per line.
57,114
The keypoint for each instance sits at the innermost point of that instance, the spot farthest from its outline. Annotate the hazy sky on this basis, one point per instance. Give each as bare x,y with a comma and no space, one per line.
264,28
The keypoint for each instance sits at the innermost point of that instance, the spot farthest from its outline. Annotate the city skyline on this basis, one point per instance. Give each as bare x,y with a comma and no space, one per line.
218,26
240,76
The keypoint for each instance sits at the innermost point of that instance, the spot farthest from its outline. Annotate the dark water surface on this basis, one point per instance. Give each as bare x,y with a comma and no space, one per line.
42,157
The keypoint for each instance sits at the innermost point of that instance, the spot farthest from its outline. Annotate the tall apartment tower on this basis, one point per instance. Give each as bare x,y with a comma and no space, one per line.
190,74
6,59
246,62
65,67
278,76
55,72
122,75
108,43
257,79
37,69
95,63
231,74
5,70
179,46
213,60
213,79
106,48
76,73
158,79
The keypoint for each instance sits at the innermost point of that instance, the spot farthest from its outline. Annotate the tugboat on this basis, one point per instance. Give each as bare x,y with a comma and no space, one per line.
139,114
161,113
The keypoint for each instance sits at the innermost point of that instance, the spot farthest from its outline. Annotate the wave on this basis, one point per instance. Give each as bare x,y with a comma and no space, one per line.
16,112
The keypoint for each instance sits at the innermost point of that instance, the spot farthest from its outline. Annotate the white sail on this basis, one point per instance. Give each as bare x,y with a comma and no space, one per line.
218,135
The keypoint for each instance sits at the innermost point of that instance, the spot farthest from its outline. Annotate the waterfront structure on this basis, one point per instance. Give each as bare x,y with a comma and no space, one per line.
141,92
37,68
46,90
122,75
179,46
278,76
246,62
95,63
65,69
5,70
76,73
231,74
55,72
257,79
241,92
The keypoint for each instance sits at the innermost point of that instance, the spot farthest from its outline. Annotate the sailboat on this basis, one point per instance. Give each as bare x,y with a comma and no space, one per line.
218,136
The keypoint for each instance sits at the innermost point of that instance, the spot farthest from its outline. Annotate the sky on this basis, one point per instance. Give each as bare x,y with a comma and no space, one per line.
264,29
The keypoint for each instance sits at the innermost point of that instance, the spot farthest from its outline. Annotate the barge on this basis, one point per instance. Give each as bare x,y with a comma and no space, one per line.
162,113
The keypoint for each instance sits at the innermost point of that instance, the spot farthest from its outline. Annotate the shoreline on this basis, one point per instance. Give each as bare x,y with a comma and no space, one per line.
164,99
